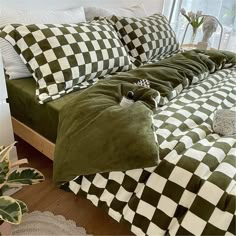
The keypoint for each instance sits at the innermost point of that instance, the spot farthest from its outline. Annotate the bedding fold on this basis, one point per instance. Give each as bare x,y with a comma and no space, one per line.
192,190
96,134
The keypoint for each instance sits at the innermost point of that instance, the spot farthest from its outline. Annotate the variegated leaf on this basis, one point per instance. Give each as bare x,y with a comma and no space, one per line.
19,162
10,210
4,163
4,154
4,170
24,176
23,206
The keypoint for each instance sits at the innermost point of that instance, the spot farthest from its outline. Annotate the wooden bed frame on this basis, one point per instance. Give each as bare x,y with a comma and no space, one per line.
33,138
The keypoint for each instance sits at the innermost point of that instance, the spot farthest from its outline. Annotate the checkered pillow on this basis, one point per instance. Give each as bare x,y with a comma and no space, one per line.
148,38
61,57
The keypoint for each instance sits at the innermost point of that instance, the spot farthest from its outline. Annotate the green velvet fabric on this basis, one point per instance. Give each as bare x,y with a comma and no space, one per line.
96,134
100,134
25,107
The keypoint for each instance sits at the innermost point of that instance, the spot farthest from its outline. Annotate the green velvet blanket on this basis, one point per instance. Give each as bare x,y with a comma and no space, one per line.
96,134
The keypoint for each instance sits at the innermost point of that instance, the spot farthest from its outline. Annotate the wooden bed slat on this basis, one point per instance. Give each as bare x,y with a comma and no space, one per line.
33,138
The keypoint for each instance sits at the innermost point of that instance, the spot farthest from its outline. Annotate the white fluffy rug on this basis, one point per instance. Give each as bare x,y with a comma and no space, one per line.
46,224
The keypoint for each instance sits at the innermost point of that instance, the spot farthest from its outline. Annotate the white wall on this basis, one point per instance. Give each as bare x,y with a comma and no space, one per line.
6,131
151,6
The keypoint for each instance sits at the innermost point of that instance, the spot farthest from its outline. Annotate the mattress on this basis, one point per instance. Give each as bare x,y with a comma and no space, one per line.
24,107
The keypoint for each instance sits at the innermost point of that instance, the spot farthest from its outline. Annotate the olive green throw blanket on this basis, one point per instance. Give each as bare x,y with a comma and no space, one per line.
96,134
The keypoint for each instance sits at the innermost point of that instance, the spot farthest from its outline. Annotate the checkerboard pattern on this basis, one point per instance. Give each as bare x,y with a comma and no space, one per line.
193,189
61,57
148,38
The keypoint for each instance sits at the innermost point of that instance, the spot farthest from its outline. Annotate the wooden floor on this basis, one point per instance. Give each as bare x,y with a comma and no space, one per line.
46,197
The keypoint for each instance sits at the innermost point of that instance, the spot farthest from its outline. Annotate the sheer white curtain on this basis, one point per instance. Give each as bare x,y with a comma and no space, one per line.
223,10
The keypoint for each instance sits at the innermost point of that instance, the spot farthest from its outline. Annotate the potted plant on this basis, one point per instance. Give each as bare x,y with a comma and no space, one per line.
195,20
12,176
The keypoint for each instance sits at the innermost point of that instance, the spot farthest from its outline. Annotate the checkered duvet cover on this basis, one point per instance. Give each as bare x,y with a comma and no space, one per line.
193,189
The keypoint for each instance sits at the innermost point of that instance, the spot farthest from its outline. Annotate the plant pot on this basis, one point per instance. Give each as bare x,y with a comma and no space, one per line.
5,229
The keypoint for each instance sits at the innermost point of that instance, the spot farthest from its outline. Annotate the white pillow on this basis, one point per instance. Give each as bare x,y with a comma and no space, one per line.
14,66
133,11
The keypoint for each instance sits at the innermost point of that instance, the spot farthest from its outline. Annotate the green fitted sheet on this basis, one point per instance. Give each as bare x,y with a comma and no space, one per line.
24,107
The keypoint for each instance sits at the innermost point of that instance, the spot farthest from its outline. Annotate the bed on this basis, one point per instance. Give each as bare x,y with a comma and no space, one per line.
41,142
192,190
155,164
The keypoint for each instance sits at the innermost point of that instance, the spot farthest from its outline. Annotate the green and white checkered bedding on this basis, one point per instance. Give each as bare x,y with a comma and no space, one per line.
62,56
148,38
193,189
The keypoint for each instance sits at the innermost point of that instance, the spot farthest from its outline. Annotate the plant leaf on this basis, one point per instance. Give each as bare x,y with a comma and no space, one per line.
197,20
187,17
24,176
23,206
4,188
4,170
4,153
10,210
201,21
4,163
19,162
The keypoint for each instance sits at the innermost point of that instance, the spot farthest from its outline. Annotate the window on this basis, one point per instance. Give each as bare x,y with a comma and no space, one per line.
224,11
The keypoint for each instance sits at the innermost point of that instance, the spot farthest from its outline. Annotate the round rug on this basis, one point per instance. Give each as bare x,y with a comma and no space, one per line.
46,224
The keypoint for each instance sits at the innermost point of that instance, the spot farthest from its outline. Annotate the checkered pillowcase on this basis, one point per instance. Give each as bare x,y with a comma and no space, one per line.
61,57
146,39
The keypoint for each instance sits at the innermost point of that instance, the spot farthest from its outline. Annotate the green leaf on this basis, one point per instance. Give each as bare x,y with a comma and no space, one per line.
24,176
23,206
3,189
10,210
4,170
4,163
188,18
197,20
201,21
